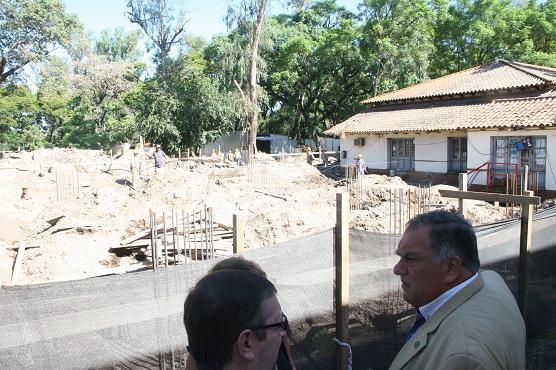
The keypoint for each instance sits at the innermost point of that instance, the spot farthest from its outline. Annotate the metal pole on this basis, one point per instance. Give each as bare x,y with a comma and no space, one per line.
165,239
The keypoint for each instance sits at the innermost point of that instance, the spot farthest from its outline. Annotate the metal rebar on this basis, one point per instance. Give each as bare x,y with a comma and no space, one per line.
155,245
184,234
195,236
390,211
151,233
211,233
189,237
174,233
429,199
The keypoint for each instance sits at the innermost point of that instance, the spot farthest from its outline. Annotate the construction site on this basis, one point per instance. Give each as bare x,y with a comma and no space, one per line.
96,260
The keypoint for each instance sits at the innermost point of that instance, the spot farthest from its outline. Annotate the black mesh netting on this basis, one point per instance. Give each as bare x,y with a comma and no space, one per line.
135,320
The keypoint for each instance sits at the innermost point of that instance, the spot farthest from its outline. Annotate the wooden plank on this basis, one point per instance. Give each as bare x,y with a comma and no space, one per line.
341,261
462,179
524,251
239,235
491,197
271,195
17,263
225,227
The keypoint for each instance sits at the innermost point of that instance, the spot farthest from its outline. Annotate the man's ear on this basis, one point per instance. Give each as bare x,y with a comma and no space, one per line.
453,270
245,345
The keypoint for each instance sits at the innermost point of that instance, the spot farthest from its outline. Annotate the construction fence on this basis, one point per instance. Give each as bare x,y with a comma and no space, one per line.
135,320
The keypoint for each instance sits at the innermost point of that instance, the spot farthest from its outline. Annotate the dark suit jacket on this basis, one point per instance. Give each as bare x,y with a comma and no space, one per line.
478,328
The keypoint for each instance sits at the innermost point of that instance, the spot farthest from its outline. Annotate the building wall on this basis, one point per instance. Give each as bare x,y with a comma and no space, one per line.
479,148
227,142
431,150
375,151
283,144
330,144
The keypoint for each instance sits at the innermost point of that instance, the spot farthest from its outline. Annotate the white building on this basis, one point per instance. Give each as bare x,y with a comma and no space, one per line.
488,121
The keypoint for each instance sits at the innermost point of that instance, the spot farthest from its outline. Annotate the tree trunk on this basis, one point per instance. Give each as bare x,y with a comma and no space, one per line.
253,122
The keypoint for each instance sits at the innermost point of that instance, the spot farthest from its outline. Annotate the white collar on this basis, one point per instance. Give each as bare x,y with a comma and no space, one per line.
430,308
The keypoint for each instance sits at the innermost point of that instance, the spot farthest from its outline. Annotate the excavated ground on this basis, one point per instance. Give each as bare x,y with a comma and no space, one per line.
99,207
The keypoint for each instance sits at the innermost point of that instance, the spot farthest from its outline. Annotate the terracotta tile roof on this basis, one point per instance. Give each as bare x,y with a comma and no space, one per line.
500,75
462,114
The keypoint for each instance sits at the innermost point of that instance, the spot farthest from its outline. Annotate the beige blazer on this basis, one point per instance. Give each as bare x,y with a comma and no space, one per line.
478,328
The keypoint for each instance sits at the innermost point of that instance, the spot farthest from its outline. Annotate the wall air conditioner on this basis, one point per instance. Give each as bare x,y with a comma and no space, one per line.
360,141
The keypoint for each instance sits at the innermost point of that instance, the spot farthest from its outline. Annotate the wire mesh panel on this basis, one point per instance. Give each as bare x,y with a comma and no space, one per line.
257,170
67,183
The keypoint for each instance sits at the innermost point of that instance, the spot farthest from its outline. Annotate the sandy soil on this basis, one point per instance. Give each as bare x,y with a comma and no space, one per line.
99,207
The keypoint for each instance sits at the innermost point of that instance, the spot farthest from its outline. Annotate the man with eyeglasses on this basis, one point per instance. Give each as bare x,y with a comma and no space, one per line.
466,319
234,321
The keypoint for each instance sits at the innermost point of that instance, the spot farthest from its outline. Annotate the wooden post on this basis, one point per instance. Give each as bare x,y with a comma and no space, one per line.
341,286
239,235
525,182
462,179
17,263
524,248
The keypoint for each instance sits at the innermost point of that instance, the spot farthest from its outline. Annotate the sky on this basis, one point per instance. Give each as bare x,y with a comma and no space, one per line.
205,16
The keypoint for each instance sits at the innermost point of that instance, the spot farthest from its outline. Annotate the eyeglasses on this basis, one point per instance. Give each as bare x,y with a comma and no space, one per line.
283,325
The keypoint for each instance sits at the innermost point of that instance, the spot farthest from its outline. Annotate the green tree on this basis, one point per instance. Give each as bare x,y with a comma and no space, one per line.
29,30
250,15
18,118
163,21
470,33
119,45
541,23
396,42
101,85
316,73
54,97
188,108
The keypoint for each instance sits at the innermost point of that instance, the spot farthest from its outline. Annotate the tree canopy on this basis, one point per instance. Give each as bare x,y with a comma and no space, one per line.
311,68
29,30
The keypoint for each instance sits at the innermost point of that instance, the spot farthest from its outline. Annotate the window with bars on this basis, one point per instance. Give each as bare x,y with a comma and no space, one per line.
521,150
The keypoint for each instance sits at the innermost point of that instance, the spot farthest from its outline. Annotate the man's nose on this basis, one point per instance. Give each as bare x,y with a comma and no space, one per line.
398,268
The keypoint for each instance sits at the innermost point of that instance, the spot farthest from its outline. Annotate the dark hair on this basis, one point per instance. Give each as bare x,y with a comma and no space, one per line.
237,263
218,308
449,235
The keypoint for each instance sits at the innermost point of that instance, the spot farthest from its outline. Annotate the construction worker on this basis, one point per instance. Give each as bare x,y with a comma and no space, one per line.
237,157
134,167
360,165
159,158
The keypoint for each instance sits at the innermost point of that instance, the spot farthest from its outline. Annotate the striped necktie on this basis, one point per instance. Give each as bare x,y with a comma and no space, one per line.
419,321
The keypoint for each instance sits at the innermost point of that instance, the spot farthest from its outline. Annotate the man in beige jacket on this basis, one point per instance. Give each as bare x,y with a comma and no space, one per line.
465,319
